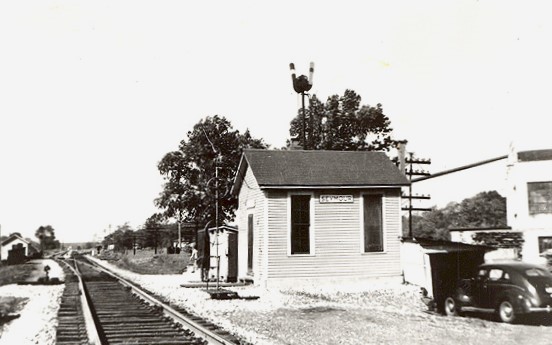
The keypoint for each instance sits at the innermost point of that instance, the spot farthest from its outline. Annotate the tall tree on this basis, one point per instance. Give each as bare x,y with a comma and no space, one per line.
46,236
343,124
212,148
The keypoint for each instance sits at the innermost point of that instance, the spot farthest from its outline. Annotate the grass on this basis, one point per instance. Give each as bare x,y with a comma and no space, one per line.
14,273
147,262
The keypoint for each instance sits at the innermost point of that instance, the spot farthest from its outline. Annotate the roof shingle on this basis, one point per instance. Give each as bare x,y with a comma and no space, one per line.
301,168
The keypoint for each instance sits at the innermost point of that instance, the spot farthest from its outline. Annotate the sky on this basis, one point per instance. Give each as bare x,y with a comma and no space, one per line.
94,93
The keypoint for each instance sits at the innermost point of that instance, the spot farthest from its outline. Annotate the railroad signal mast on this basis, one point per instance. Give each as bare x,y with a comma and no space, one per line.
218,158
301,85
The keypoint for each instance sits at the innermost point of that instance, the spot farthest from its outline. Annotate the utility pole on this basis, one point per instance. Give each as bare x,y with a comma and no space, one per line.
217,221
409,173
301,85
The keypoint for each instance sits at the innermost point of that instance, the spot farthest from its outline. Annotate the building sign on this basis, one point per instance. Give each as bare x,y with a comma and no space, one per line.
330,199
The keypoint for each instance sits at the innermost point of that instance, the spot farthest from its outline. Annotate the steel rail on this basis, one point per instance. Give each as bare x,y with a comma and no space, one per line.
91,329
211,337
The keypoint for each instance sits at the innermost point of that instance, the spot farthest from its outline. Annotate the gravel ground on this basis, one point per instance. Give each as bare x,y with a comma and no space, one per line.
38,318
351,315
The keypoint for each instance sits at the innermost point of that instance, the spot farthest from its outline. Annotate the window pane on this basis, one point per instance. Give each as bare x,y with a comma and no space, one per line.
373,224
540,197
495,274
300,224
250,244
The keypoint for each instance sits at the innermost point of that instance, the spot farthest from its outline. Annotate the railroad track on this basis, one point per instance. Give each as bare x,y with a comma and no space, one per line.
71,323
118,312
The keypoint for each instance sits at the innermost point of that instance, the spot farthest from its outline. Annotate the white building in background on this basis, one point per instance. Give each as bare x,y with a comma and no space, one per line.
529,200
12,241
529,209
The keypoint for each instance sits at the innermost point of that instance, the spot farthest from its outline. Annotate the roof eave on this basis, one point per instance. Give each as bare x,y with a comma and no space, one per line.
240,176
371,186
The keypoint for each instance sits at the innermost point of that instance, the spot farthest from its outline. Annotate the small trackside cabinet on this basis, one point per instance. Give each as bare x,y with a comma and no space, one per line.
227,252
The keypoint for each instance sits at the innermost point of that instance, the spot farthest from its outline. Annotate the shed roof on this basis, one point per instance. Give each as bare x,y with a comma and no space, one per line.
319,169
497,229
442,246
12,238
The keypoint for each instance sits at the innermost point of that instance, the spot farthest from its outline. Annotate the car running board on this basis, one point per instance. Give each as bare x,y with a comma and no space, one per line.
480,310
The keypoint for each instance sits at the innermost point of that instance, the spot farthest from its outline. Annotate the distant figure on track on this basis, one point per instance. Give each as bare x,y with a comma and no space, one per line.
193,257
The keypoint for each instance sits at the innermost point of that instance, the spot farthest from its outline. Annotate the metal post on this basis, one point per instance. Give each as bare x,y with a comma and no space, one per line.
410,199
179,235
305,146
216,222
311,122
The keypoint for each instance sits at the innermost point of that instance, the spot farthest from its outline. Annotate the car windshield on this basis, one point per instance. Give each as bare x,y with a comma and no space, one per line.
537,272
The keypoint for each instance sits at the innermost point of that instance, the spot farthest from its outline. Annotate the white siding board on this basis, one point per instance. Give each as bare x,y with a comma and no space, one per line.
250,194
337,240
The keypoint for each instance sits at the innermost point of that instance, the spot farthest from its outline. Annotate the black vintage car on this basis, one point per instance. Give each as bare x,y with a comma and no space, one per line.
507,289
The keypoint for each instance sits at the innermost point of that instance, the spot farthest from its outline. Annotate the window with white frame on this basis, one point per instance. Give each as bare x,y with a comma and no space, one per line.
545,245
300,223
540,197
372,223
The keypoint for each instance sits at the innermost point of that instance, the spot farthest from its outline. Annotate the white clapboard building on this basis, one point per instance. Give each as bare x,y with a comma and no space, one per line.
318,217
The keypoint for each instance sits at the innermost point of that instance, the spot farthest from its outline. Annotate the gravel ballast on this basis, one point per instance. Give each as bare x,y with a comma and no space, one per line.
385,314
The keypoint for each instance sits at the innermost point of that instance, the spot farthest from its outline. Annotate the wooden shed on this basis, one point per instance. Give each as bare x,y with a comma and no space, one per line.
437,265
318,217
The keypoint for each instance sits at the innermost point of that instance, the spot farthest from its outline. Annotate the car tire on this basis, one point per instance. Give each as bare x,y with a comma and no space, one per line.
506,312
450,307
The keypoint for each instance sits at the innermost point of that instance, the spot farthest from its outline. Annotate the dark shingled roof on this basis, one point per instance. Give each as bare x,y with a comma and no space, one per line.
301,168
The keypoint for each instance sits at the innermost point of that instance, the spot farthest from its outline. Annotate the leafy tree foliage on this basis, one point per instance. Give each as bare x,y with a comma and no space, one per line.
46,236
158,232
122,238
343,124
190,189
485,210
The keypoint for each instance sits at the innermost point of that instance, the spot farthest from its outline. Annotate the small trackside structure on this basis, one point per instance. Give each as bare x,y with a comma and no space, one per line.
318,217
227,261
437,265
15,249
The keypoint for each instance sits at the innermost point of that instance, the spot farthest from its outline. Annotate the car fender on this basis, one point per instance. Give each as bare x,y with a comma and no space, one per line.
463,299
516,296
